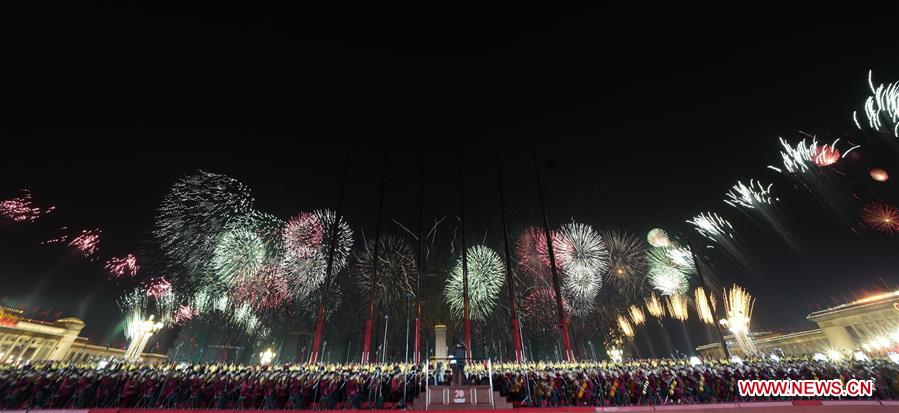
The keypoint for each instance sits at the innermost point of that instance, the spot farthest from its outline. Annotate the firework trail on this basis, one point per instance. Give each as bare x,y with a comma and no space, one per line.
584,260
192,216
87,243
540,309
654,306
677,307
667,275
812,167
758,203
22,209
738,306
396,270
486,276
881,216
625,326
658,238
720,231
637,315
705,305
122,266
881,108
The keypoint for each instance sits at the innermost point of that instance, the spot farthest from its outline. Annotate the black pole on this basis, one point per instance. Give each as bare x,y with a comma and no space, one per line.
416,358
366,344
516,336
466,310
705,287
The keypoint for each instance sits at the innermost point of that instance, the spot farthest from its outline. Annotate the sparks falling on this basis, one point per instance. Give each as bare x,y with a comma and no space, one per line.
752,196
705,305
738,306
22,208
637,315
677,307
882,107
654,306
122,266
625,326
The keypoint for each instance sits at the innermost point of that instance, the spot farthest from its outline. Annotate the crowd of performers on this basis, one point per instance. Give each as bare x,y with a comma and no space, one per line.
355,386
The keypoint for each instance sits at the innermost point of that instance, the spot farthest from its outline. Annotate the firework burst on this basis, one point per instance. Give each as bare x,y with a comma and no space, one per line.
677,307
193,215
665,274
881,108
584,260
122,266
540,309
22,209
627,255
87,243
266,290
705,305
532,253
879,175
658,238
303,235
183,314
654,306
762,207
396,270
720,231
486,276
239,254
881,216
738,306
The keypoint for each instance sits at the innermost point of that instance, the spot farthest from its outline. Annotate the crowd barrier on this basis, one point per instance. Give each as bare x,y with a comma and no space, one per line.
798,406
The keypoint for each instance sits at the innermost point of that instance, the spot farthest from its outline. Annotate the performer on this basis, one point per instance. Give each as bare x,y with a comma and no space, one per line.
458,363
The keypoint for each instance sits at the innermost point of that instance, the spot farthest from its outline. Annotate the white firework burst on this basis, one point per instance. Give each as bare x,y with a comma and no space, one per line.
882,107
752,196
584,259
657,237
486,276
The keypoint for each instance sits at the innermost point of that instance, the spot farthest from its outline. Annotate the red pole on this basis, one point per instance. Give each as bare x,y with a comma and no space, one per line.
563,316
516,332
320,325
416,357
466,309
366,339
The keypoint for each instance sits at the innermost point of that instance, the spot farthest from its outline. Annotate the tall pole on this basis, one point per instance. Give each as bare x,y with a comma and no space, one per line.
516,335
465,304
563,316
416,356
366,343
322,307
705,287
384,348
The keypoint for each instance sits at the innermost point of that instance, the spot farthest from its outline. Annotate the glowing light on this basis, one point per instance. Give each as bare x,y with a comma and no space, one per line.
238,255
616,355
894,357
834,355
87,243
677,307
754,195
266,357
158,287
695,361
882,107
654,306
658,238
583,257
637,316
122,266
799,159
712,226
704,308
22,209
879,175
825,155
819,357
625,326
860,356
627,255
486,276
665,275
736,360
881,216
774,357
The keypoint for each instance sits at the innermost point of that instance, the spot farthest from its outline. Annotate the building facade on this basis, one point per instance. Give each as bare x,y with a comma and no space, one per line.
870,324
25,340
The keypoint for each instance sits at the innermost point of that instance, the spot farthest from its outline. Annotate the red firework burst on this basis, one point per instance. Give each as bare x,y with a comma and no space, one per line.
533,254
539,307
266,290
87,242
183,314
158,287
881,216
303,234
825,155
21,209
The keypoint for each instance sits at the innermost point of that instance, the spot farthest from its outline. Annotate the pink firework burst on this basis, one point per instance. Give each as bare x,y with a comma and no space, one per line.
881,216
122,266
532,253
183,314
21,208
303,235
266,290
540,306
158,287
825,155
87,242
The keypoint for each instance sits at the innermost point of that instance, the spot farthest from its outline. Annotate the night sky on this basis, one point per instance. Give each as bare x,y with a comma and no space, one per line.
642,117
